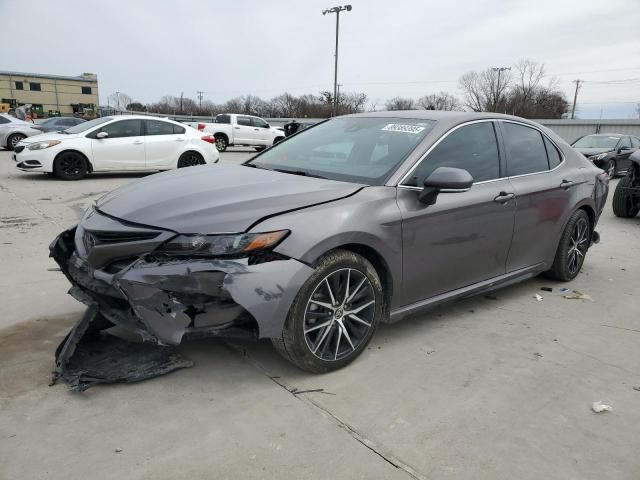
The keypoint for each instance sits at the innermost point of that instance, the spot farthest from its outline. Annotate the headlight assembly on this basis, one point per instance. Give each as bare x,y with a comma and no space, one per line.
599,156
220,245
43,145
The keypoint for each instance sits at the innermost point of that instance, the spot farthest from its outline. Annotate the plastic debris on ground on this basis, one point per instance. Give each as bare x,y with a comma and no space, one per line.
546,289
600,407
576,295
538,297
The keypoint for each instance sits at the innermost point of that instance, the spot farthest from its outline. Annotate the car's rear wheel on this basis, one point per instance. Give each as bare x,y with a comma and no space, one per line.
573,246
259,149
190,159
611,168
221,143
14,139
334,315
624,204
70,166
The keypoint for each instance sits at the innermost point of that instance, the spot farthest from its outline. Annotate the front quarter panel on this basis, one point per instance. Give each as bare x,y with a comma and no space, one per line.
370,217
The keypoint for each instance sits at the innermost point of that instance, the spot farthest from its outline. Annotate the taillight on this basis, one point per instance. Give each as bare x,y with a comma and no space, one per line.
209,139
201,126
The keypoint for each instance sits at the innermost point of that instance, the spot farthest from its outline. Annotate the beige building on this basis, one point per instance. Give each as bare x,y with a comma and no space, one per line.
51,93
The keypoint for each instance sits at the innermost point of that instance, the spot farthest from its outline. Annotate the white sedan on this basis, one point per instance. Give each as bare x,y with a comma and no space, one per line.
12,130
110,144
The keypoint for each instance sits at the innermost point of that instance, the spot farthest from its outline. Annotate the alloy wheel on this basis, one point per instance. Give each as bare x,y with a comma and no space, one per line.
339,314
15,139
578,244
611,169
190,160
72,165
221,144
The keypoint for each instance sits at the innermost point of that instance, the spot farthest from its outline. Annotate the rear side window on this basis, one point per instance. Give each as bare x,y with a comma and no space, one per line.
156,127
4,120
178,129
67,122
244,121
555,158
525,150
472,148
123,128
223,119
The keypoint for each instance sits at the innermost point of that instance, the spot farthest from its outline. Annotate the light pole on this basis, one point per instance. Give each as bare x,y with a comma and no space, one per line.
337,11
499,70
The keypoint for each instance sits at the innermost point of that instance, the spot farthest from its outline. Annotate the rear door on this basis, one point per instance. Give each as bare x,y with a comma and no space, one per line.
163,143
123,149
545,188
464,237
243,133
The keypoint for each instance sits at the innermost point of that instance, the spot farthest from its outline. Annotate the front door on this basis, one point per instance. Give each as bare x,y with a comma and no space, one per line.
261,130
464,237
123,149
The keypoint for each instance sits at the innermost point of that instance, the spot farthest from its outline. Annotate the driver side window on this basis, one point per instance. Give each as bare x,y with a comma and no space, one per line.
472,147
123,128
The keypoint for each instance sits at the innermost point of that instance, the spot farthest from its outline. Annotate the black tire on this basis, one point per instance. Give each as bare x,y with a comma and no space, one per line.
611,168
623,202
340,268
190,159
13,140
572,248
70,166
277,139
259,149
221,142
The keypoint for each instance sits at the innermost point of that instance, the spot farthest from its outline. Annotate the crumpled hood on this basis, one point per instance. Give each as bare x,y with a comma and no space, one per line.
217,198
593,151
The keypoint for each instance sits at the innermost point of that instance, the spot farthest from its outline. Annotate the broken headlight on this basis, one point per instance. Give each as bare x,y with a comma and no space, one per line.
221,245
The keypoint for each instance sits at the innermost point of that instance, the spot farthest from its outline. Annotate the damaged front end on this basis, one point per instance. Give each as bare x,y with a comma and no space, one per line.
115,269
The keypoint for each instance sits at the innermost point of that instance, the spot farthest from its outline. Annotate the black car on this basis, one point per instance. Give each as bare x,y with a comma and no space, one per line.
57,124
626,199
608,151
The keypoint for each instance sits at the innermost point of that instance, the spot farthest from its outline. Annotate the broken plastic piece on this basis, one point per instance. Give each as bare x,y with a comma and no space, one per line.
564,289
576,295
599,407
538,297
546,289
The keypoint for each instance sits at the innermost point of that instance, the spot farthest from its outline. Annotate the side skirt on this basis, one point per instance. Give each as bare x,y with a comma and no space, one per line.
491,284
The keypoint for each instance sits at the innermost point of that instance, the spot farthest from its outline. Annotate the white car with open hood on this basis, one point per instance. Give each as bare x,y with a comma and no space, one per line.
110,144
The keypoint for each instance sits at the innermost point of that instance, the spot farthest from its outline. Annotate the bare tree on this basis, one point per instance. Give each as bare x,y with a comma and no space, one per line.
400,103
473,93
439,101
119,100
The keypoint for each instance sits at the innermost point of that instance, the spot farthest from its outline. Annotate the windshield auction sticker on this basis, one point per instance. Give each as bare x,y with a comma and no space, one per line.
398,127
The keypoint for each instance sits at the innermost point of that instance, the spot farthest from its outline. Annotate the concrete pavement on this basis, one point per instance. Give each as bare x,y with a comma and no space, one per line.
486,388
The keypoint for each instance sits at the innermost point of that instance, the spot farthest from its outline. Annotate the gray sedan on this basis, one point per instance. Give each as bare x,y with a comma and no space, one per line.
355,221
58,124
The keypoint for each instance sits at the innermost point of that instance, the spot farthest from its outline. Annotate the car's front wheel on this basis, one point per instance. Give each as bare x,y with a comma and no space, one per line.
611,168
573,246
14,139
70,166
334,315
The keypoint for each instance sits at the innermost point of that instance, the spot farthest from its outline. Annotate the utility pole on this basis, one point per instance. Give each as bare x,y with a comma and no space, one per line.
497,95
337,96
337,11
200,94
575,98
181,95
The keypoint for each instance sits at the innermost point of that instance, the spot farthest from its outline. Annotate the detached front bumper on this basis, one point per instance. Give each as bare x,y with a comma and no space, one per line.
166,301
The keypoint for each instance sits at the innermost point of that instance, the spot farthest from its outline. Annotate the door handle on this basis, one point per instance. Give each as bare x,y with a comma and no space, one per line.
257,129
566,184
179,139
237,128
137,142
504,197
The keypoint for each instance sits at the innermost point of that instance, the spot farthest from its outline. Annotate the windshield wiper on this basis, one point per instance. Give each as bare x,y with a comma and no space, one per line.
302,173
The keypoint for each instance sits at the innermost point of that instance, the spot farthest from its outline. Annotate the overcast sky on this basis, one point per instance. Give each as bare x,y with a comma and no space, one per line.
151,48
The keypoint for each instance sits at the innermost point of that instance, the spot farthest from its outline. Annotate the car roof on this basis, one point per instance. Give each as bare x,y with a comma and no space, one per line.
606,135
441,116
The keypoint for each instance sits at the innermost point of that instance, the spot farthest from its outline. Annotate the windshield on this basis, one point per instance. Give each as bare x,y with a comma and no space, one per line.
596,141
81,127
352,149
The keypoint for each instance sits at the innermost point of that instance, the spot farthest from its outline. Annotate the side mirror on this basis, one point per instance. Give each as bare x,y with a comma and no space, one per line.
624,147
445,179
102,135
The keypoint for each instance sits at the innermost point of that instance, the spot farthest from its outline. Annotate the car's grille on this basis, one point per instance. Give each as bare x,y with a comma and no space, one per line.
95,238
18,149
